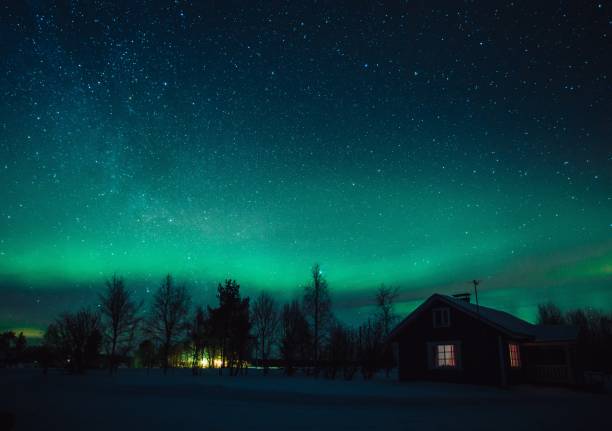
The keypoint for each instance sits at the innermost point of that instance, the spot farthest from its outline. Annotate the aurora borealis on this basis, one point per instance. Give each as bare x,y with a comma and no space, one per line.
393,142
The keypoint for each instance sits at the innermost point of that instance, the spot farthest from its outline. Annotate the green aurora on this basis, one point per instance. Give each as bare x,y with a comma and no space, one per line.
252,156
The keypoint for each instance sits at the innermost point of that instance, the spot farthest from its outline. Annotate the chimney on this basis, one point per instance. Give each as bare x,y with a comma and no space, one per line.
463,296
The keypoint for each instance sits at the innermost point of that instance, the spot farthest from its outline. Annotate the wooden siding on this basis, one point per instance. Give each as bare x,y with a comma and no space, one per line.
480,352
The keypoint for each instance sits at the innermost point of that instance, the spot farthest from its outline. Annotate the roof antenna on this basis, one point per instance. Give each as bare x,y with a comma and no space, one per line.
476,283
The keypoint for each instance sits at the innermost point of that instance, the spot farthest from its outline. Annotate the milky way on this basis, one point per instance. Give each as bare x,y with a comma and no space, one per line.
389,141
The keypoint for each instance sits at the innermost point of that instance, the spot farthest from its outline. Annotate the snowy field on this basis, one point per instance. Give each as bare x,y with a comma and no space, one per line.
133,400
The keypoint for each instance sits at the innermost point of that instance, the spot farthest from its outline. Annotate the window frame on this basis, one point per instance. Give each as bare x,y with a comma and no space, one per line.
445,356
432,355
514,355
442,312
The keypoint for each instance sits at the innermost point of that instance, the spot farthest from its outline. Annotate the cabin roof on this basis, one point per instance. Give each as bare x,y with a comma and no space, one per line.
550,333
500,320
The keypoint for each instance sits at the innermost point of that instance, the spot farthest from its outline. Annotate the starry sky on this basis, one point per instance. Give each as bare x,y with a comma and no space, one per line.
413,143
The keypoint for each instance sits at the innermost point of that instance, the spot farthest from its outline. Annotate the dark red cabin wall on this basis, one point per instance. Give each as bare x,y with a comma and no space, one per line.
480,356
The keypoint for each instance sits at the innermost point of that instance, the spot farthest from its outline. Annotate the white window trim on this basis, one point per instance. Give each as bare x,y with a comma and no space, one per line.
431,355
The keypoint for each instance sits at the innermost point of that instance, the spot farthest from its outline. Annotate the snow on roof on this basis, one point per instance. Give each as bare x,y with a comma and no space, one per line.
501,320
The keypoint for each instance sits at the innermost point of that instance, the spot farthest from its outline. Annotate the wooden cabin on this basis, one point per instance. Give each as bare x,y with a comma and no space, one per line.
451,339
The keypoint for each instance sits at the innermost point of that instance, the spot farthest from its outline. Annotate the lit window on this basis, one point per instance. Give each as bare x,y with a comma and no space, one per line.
515,355
445,355
441,317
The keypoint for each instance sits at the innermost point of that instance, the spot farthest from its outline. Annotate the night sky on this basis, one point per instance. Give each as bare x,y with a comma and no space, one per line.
413,143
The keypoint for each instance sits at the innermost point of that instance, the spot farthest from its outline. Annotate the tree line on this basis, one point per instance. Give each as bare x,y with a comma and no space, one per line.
171,331
594,341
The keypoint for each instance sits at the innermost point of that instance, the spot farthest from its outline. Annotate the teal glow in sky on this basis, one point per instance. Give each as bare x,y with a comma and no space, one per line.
402,145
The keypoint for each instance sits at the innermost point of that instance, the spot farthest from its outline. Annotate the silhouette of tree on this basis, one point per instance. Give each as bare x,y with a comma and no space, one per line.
45,357
21,344
167,321
146,354
317,306
594,343
76,338
120,319
92,348
594,338
7,343
265,318
230,326
341,352
55,342
296,340
549,314
240,337
221,317
369,336
385,302
198,332
214,332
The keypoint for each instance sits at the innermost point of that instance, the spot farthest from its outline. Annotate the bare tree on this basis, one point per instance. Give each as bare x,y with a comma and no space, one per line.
594,341
385,302
119,318
240,340
168,318
265,318
369,336
317,305
197,335
550,314
76,339
342,352
146,354
295,336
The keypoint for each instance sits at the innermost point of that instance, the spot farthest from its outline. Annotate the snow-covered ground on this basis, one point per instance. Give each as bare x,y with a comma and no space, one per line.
135,400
